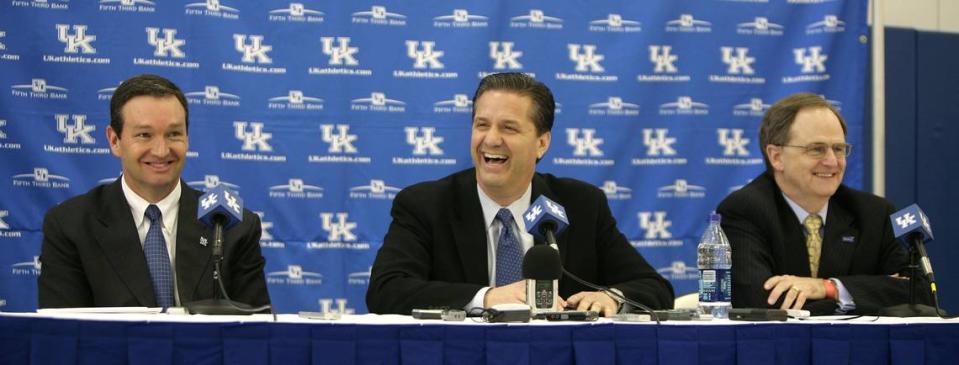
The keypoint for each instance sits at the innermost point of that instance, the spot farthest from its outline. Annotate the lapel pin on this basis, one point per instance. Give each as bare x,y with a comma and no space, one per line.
849,239
203,241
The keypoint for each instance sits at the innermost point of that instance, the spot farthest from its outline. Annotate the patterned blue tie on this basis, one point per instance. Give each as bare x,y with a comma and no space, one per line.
157,258
509,254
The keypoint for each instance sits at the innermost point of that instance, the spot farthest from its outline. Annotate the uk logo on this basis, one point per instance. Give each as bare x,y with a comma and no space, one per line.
78,41
740,62
166,46
341,53
814,61
296,12
208,182
614,106
4,225
687,23
536,19
588,59
461,18
732,141
341,141
295,100
76,132
254,52
424,141
253,139
379,15
212,96
3,49
662,58
829,24
460,103
39,89
684,105
760,26
615,192
296,188
5,231
658,143
340,230
212,8
424,54
614,23
681,189
504,57
754,108
655,224
587,145
266,238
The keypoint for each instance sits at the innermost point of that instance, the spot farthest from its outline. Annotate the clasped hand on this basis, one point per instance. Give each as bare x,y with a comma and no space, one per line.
582,301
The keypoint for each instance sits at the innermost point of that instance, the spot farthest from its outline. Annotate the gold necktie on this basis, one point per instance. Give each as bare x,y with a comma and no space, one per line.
813,242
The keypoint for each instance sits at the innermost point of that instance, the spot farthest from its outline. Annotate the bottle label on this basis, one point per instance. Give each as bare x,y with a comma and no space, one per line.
715,285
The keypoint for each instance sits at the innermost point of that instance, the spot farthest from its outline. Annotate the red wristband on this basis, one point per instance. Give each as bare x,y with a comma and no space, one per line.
831,292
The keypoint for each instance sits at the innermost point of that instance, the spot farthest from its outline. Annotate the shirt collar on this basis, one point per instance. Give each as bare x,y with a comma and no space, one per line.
169,205
518,207
802,213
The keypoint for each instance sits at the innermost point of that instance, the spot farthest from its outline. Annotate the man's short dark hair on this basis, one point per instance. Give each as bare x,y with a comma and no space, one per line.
140,85
775,126
522,84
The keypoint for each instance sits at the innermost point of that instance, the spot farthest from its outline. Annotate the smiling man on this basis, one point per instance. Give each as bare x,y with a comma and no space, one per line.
801,239
457,242
137,241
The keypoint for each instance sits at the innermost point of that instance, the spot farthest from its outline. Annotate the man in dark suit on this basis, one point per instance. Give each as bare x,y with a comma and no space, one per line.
137,241
454,242
801,239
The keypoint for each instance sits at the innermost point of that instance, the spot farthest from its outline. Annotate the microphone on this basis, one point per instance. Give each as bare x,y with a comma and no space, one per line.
545,219
912,226
542,270
220,208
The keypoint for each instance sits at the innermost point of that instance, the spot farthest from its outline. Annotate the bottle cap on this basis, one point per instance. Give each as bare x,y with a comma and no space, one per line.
714,217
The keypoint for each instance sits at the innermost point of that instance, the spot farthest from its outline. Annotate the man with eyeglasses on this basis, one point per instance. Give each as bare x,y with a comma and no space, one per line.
802,240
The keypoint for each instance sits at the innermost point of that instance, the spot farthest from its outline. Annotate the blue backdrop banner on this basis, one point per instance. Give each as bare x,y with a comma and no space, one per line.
319,112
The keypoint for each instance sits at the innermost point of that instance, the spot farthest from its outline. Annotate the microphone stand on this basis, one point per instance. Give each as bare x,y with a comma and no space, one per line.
217,305
917,251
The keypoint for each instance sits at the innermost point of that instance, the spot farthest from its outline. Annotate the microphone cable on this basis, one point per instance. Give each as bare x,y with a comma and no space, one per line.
613,294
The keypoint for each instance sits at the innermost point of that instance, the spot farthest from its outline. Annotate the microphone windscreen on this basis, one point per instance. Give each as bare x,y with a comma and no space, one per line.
220,202
542,263
911,220
545,212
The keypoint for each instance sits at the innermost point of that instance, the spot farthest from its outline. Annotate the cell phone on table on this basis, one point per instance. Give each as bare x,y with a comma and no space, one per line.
572,316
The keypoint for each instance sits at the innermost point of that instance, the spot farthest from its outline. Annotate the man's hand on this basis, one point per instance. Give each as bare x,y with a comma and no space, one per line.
595,301
797,290
512,293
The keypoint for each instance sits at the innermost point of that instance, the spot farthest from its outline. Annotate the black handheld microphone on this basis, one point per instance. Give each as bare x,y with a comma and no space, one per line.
542,270
220,208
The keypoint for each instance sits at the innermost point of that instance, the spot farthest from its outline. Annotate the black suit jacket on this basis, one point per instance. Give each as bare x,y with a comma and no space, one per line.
92,255
435,252
858,247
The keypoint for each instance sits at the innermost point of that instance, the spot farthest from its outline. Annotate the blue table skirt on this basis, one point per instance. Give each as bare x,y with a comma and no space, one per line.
58,341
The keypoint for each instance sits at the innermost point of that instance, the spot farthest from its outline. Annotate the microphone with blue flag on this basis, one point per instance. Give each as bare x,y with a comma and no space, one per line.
911,225
545,219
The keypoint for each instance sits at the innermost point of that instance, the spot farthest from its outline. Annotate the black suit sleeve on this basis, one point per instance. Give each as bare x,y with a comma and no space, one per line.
401,274
244,276
62,282
622,267
753,261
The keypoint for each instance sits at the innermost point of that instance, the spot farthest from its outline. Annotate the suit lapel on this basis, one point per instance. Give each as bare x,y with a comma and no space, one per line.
796,258
193,259
541,188
839,242
117,236
469,228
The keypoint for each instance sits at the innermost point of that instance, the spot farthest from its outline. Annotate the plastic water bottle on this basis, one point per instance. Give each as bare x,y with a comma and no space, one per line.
714,258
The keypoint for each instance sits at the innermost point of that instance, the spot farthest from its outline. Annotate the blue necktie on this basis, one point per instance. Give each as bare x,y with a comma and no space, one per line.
509,254
157,259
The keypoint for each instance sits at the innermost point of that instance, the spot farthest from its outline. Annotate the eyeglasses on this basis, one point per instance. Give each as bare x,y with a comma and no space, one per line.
818,150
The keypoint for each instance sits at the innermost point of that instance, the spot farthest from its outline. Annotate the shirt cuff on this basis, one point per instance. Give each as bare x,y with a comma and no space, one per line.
477,301
846,303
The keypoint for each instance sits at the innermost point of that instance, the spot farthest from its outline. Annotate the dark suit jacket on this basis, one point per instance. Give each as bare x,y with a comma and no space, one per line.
92,255
858,248
435,252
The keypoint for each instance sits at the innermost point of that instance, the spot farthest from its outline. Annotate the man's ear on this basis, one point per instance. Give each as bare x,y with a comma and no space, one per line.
775,154
114,139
